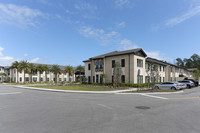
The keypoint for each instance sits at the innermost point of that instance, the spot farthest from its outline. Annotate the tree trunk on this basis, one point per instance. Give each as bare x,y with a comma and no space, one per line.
56,76
24,77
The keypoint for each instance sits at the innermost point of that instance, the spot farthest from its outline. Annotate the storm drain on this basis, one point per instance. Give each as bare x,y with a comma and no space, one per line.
142,107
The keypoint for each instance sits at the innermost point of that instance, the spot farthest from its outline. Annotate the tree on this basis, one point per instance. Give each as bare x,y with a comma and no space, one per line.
23,65
80,69
179,62
117,71
70,71
55,69
40,69
2,76
196,74
102,77
15,65
46,69
152,73
32,69
188,63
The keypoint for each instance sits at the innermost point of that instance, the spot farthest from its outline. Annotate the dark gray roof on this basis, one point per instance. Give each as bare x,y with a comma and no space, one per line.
115,53
149,59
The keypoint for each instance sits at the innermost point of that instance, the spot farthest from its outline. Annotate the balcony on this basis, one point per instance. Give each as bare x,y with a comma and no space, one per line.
99,69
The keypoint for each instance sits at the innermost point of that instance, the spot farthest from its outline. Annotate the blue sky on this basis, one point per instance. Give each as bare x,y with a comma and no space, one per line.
66,32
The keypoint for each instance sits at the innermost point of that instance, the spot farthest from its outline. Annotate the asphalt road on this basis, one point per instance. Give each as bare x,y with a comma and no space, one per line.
32,111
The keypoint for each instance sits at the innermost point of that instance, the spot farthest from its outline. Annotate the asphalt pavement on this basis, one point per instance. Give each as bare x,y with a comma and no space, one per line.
33,111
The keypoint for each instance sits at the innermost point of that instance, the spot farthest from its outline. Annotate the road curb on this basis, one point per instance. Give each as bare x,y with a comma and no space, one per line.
71,91
154,93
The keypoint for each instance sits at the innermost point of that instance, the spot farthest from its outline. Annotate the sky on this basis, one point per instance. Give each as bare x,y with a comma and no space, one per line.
66,32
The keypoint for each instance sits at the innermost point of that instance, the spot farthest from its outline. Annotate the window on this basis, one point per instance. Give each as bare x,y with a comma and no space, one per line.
147,79
139,79
89,67
122,62
27,79
160,79
113,63
47,72
163,79
123,78
139,63
47,79
65,79
21,71
41,72
20,79
97,64
147,66
89,79
41,79
163,68
112,79
34,79
97,78
171,69
60,79
93,79
160,68
101,64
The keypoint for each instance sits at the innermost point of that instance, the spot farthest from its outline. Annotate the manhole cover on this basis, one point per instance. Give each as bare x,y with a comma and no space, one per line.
142,107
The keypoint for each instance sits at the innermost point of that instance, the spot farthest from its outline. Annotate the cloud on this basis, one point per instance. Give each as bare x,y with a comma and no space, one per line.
25,55
121,24
193,10
158,55
122,3
126,44
86,10
35,60
19,15
8,60
105,38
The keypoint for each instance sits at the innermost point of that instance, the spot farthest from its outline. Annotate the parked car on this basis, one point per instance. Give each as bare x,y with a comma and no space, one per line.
196,83
188,83
171,85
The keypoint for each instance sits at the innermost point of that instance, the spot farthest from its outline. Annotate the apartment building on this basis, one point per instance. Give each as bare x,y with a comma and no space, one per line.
14,75
134,66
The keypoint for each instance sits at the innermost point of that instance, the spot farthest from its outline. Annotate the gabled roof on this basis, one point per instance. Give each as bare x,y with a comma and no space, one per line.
115,53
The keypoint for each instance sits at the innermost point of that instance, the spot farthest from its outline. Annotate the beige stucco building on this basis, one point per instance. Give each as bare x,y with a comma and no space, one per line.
134,67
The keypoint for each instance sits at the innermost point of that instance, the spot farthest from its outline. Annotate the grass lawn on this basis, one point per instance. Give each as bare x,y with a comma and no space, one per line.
77,88
149,91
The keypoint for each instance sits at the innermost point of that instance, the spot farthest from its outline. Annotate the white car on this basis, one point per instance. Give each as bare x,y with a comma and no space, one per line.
171,85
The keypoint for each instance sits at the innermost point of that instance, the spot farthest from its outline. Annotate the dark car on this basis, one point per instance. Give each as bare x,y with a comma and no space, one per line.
196,83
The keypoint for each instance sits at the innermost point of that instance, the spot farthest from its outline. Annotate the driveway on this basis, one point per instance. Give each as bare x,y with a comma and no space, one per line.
32,111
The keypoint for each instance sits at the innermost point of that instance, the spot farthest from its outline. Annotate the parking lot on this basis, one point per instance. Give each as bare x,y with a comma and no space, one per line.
32,111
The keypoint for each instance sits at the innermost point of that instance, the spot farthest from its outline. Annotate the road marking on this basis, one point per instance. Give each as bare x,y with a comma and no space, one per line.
10,93
185,98
105,106
154,96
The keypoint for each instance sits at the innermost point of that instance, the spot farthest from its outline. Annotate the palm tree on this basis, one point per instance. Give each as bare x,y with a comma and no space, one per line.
46,69
24,65
32,69
15,65
70,71
80,69
55,69
40,69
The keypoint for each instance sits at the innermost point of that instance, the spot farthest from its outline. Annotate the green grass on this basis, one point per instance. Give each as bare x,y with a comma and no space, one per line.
77,88
149,91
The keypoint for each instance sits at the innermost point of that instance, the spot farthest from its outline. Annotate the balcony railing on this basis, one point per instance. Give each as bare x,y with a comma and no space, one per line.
99,69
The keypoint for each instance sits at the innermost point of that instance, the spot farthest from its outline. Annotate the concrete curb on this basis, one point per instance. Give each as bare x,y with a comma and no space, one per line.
153,93
71,91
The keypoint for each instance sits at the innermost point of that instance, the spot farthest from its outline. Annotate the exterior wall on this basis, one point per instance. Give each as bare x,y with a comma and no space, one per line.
141,69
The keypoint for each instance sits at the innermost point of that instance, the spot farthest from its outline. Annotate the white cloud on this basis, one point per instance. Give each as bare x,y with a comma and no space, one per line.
105,38
158,55
121,24
126,44
193,10
85,6
35,60
122,3
25,55
19,15
8,60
